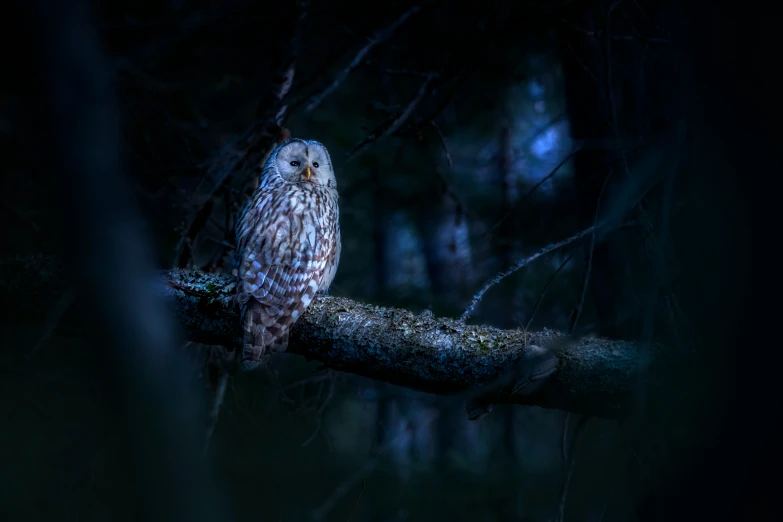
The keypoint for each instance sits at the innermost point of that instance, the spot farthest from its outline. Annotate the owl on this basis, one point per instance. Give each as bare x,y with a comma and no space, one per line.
288,246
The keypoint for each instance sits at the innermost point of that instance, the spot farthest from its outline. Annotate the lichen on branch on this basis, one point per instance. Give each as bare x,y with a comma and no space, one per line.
594,376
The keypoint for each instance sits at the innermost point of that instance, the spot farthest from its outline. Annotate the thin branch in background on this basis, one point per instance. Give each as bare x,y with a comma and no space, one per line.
546,287
466,60
564,441
184,250
649,18
374,40
443,144
583,291
53,317
364,482
569,460
416,127
447,186
181,28
535,187
320,411
228,234
582,64
608,75
606,34
388,127
642,467
678,312
251,419
214,413
314,404
344,488
409,72
252,148
518,265
26,216
328,63
304,382
347,485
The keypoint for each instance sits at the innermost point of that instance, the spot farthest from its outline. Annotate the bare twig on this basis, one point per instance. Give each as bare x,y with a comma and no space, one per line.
390,126
465,61
373,452
520,264
182,27
248,152
53,317
361,474
416,127
568,461
608,74
320,411
582,64
564,441
447,186
649,18
443,144
546,287
608,35
25,215
583,292
410,72
309,380
374,40
214,413
535,187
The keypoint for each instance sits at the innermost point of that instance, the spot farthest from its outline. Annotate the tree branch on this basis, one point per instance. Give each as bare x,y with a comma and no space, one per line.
521,264
375,40
595,376
391,125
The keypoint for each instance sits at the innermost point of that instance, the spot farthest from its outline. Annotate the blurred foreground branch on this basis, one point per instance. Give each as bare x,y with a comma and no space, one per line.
595,376
106,262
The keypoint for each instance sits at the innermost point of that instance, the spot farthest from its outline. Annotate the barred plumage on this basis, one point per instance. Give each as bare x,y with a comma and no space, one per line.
288,245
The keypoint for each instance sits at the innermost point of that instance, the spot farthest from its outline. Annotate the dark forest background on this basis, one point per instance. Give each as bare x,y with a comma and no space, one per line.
465,136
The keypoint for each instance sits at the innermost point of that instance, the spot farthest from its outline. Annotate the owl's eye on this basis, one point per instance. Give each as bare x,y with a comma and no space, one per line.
294,163
315,164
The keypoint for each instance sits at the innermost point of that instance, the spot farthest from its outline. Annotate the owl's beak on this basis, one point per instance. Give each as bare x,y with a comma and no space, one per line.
308,172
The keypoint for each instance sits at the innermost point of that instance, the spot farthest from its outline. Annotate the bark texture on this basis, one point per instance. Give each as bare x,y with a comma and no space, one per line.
595,376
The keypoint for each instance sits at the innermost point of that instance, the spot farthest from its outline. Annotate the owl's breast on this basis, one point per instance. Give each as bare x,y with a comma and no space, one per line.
297,232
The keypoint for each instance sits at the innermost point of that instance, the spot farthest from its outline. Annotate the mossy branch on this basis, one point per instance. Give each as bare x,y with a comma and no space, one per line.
594,376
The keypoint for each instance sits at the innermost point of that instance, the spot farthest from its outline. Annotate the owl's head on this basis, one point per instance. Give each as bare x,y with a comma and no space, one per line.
301,162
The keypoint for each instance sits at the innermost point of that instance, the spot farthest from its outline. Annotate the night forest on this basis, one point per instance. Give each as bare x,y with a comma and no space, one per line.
555,216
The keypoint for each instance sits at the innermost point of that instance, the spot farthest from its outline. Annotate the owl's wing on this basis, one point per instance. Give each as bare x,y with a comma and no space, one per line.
270,311
278,276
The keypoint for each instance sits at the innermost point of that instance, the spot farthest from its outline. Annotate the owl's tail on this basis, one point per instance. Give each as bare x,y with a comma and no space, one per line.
264,334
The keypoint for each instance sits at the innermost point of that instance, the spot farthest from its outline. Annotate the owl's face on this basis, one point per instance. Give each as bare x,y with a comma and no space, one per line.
303,162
